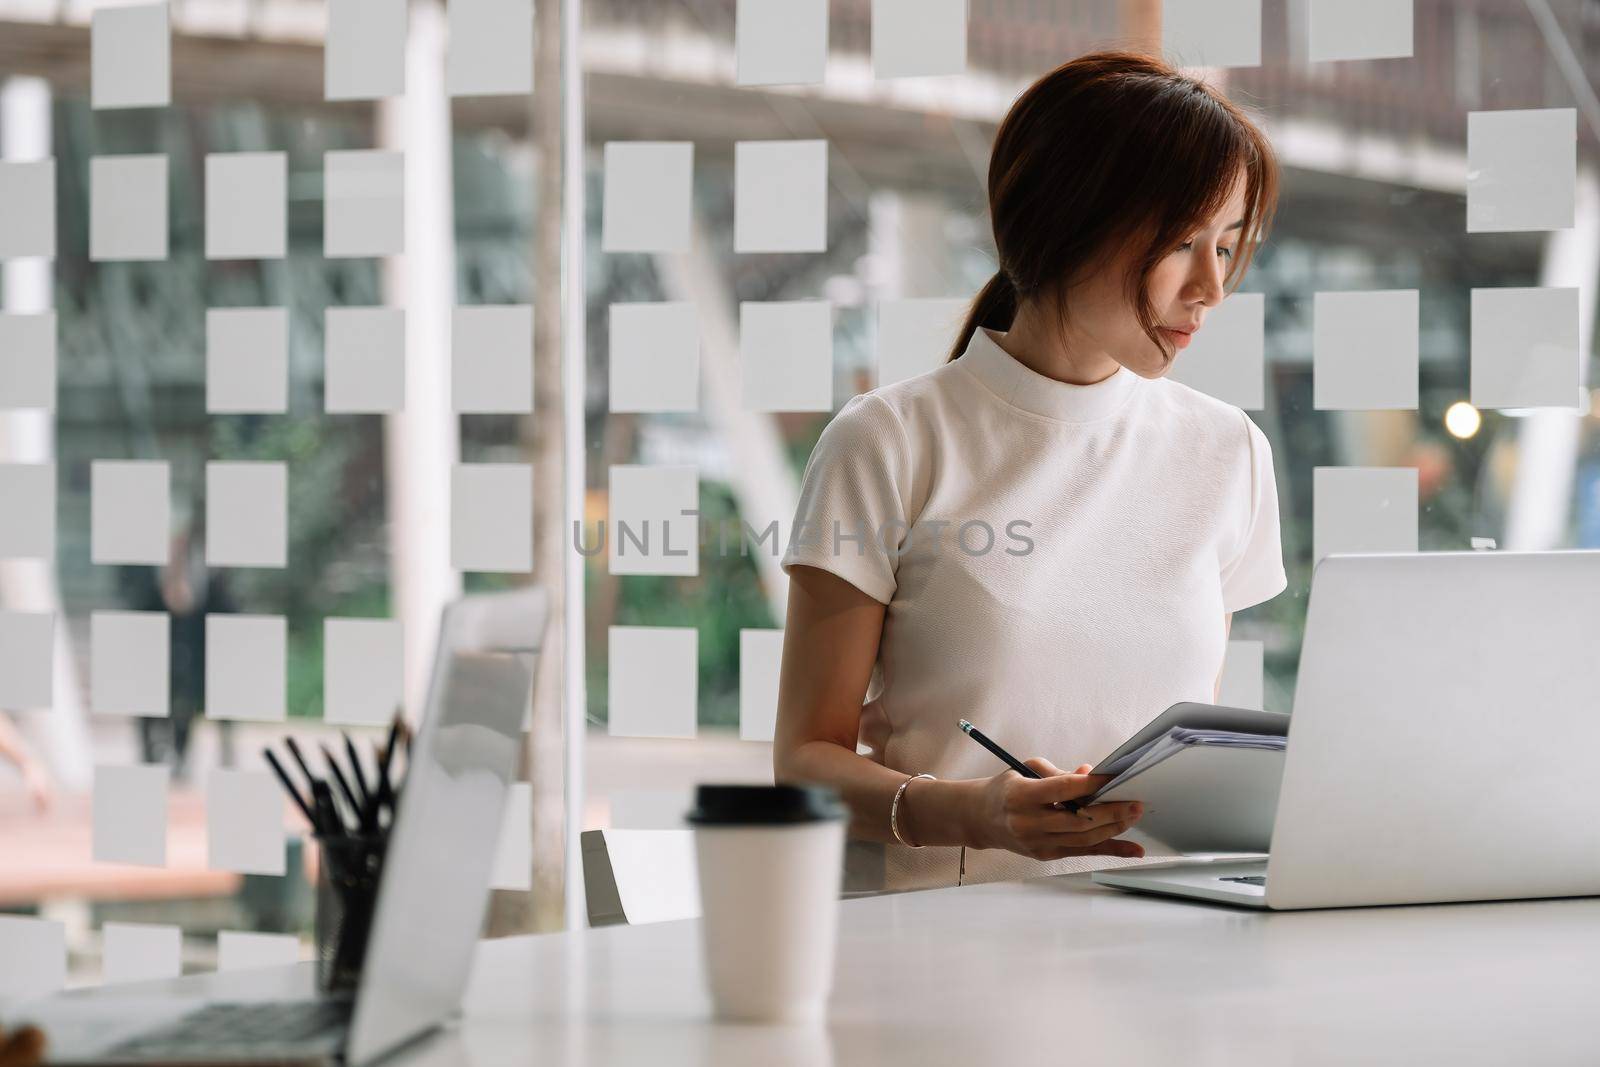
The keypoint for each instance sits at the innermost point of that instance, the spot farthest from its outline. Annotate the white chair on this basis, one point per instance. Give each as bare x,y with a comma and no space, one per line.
639,876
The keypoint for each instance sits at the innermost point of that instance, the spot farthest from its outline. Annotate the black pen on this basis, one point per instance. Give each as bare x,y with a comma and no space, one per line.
283,776
1016,764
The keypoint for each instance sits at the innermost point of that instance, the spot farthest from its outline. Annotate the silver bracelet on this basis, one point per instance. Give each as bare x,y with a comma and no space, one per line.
894,810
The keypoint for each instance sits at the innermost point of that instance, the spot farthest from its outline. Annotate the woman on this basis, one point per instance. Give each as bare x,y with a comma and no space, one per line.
1043,535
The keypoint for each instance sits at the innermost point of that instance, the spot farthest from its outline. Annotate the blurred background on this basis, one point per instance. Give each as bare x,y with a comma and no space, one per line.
1374,153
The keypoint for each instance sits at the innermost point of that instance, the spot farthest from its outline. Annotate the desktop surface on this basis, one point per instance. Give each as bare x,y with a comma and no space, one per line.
1053,967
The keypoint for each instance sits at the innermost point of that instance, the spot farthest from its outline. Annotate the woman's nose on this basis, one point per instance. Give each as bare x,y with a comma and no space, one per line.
1206,284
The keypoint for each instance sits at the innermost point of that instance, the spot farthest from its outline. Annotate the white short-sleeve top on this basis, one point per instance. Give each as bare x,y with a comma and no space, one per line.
1056,561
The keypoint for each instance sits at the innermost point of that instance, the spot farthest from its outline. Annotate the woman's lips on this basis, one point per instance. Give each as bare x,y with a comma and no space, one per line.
1179,338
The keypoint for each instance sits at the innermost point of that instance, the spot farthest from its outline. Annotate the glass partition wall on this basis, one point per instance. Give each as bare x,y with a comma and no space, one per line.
317,315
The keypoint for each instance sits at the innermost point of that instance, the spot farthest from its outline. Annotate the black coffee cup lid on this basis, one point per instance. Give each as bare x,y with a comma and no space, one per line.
764,805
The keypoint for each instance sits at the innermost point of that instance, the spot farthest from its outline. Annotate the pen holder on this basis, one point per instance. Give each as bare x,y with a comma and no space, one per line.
347,890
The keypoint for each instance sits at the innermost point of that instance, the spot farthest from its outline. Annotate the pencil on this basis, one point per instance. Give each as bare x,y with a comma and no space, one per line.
283,776
1016,764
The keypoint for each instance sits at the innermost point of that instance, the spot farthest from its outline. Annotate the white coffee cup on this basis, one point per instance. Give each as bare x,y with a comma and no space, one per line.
770,860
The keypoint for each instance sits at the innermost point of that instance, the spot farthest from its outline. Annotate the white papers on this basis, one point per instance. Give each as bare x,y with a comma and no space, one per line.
247,360
246,667
918,38
1365,350
363,670
128,207
247,205
780,198
27,659
786,355
128,511
1227,357
646,201
139,952
28,521
130,815
1363,509
652,681
129,662
655,357
27,359
363,205
247,514
365,57
130,56
364,354
1211,33
1522,170
915,336
760,663
491,359
27,208
654,525
1525,350
490,48
244,822
780,42
1360,29
491,517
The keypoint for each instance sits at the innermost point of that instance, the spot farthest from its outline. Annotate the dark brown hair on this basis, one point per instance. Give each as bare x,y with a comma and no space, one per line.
1109,148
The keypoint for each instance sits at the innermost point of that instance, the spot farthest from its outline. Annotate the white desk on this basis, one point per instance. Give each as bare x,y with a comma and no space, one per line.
1055,971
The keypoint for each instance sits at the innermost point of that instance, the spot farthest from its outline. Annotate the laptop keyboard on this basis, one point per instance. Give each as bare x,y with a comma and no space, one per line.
245,1031
1249,879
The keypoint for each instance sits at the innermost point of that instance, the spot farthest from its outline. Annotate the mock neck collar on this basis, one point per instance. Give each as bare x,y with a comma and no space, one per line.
1021,386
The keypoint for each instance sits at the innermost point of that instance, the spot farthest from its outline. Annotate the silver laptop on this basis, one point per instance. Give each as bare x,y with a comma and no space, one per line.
431,895
1443,742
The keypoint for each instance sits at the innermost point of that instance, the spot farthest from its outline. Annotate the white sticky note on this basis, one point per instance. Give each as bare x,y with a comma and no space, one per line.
919,38
1365,350
652,681
780,42
246,667
130,815
1243,676
1363,509
780,196
655,357
365,54
513,861
35,955
363,670
244,822
648,531
27,660
27,360
760,660
130,56
915,336
1522,170
130,511
490,47
128,207
491,359
140,952
647,197
247,360
239,950
247,509
129,662
28,520
1525,350
363,204
786,355
1360,29
1227,358
1211,33
491,517
246,205
364,352
27,208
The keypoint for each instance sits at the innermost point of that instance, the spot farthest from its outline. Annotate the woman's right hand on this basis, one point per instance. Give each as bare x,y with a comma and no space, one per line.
1018,814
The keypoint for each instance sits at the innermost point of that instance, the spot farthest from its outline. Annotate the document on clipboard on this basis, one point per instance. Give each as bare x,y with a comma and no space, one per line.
1207,776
